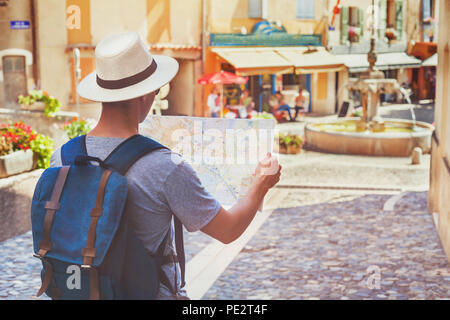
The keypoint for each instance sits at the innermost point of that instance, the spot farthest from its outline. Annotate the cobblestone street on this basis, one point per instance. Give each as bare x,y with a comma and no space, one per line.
322,251
316,251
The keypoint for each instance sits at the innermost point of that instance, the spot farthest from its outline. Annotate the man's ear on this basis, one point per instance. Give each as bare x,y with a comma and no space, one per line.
141,100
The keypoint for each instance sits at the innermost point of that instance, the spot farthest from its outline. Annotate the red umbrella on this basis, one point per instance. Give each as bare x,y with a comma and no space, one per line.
222,77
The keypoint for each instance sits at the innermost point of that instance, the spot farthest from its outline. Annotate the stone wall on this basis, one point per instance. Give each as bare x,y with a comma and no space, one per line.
16,193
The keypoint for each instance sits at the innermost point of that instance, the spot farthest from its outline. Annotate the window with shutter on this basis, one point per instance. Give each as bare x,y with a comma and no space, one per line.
426,9
352,24
361,22
382,15
399,18
391,14
305,9
254,8
344,25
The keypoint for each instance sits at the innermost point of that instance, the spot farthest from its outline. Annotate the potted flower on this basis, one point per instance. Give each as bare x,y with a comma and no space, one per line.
290,143
39,100
76,127
390,33
353,34
22,149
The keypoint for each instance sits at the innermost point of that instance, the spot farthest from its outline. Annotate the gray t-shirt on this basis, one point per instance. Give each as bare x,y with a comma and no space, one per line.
160,184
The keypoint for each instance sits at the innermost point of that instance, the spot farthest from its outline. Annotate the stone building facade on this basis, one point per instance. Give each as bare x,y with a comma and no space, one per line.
438,196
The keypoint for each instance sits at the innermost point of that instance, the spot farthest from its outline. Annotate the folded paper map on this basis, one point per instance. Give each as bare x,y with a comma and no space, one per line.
223,152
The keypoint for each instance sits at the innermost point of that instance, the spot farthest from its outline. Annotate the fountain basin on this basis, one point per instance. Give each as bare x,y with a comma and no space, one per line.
398,140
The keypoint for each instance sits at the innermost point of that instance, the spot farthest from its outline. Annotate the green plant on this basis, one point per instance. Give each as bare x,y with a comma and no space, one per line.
286,140
357,113
52,104
19,136
43,147
76,128
264,115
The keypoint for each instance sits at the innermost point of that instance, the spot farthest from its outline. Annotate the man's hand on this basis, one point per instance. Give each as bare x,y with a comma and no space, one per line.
227,226
268,172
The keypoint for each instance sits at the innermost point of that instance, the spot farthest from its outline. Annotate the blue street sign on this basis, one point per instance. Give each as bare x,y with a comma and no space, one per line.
19,24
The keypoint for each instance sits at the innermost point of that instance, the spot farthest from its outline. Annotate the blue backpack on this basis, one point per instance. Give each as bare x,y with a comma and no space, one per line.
82,231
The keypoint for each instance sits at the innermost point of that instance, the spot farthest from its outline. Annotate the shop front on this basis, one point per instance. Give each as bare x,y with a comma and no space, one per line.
284,69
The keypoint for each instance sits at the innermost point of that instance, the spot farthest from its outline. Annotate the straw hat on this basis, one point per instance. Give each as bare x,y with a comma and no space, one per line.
126,70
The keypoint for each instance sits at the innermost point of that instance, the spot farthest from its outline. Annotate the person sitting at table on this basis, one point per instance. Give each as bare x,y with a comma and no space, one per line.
282,105
300,103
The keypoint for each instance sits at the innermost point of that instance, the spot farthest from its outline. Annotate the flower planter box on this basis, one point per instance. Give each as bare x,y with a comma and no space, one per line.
37,106
291,149
17,162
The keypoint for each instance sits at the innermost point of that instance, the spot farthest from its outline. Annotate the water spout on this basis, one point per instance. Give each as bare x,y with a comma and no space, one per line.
407,95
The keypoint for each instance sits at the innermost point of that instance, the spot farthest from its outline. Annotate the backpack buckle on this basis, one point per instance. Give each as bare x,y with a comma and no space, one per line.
86,266
38,256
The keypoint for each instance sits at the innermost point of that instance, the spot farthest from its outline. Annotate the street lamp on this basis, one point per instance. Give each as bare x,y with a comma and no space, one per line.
76,53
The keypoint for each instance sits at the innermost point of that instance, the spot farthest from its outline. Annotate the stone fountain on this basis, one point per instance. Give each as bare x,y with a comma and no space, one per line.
371,134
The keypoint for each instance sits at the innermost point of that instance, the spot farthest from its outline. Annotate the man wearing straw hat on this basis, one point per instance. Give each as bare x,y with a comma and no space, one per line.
161,184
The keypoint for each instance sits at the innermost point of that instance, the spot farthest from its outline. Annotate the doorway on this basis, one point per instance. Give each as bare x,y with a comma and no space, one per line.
14,78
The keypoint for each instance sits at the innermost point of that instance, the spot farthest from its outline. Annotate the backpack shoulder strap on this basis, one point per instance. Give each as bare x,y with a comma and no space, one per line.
122,158
73,148
129,151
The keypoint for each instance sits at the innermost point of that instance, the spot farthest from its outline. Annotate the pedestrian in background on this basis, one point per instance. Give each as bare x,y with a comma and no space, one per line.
213,108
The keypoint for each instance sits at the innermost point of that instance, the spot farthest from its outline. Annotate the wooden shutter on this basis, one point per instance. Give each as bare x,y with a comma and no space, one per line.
344,24
399,18
305,9
361,22
382,15
254,8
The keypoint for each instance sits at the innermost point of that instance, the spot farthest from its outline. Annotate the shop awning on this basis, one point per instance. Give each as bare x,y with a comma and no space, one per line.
385,61
311,59
431,61
278,60
255,60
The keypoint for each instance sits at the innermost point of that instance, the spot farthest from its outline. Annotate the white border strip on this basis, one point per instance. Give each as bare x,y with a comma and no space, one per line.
207,266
